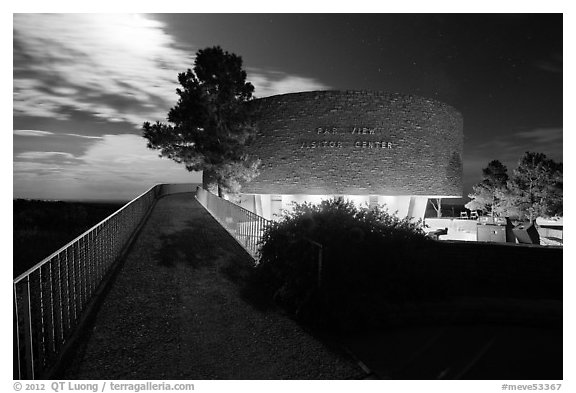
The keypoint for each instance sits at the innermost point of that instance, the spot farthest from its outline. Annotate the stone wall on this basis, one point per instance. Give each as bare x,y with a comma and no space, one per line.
356,142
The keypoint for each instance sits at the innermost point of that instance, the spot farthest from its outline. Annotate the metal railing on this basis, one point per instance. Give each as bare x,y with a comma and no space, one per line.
49,298
245,226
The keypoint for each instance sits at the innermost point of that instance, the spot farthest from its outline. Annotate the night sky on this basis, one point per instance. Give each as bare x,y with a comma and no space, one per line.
83,84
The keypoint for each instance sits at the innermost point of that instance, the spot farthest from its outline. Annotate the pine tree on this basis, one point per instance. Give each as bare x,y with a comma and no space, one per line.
211,122
487,195
535,189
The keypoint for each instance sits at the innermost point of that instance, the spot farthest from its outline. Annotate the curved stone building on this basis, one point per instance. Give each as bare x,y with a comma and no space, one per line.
369,147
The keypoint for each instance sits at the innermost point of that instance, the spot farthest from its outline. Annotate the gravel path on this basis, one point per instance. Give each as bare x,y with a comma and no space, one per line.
174,312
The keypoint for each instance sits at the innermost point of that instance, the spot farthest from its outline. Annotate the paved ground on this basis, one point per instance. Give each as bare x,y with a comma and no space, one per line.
174,312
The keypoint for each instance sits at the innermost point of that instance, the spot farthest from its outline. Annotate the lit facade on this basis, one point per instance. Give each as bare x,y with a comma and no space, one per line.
368,147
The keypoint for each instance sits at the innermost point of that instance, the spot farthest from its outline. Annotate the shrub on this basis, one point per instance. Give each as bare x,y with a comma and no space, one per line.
367,265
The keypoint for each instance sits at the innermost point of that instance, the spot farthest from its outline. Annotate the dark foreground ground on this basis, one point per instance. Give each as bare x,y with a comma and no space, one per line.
504,352
174,312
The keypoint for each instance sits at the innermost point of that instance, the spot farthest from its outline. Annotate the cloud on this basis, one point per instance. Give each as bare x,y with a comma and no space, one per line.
41,155
553,64
83,136
31,140
268,83
114,67
542,135
40,133
32,133
118,167
76,62
549,67
29,99
509,149
35,170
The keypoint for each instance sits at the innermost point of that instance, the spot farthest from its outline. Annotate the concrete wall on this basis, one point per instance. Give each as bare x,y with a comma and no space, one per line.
357,143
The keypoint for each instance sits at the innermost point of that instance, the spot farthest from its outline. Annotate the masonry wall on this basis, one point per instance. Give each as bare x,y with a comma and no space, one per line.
356,142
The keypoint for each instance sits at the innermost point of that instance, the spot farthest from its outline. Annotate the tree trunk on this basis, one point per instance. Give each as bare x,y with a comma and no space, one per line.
437,207
210,182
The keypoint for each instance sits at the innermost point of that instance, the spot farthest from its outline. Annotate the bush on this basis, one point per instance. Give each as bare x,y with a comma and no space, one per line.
367,264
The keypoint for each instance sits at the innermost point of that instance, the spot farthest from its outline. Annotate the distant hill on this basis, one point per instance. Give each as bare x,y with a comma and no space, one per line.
42,227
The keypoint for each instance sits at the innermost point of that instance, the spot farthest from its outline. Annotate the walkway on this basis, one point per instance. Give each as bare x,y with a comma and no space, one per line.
174,312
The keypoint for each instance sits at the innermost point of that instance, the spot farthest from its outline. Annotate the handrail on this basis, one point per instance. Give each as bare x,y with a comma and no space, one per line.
27,272
51,297
245,226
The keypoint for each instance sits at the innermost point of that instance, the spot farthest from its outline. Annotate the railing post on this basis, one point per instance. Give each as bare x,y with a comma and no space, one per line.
41,332
81,271
254,224
59,323
74,283
91,259
99,253
50,314
27,321
67,311
16,373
